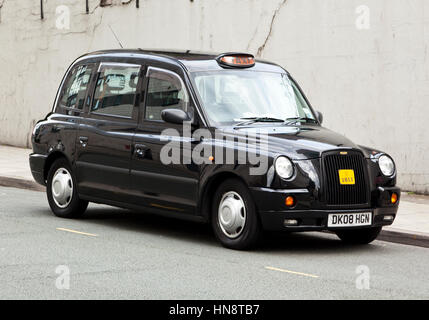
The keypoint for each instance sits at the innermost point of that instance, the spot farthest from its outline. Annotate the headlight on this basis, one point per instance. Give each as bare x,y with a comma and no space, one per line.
284,167
386,165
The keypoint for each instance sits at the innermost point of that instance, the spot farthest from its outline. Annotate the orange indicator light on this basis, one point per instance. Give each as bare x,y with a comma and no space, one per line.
394,198
290,201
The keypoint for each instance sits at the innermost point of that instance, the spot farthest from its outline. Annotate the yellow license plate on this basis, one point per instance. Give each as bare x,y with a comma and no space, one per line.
346,176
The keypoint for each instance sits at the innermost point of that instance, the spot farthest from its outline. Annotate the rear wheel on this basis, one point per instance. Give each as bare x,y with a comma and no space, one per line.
234,216
62,192
359,236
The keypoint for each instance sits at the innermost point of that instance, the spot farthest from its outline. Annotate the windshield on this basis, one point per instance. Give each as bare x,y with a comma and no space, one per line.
232,96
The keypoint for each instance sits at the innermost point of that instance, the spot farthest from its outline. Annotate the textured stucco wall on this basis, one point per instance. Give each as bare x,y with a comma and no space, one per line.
372,85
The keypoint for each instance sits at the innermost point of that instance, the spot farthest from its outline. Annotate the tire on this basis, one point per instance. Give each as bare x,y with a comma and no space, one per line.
64,203
359,236
235,197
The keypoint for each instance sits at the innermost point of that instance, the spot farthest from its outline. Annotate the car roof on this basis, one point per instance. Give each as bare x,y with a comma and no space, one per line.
192,60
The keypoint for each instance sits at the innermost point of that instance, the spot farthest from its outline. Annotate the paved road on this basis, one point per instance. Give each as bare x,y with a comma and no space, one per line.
121,254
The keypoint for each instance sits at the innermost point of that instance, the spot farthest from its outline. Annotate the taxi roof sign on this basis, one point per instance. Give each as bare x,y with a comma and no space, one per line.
236,60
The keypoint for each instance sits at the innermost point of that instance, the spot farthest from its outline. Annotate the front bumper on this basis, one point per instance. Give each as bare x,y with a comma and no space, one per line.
313,216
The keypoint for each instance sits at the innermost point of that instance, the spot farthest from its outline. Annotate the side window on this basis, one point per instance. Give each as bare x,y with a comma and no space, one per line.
74,90
165,91
115,90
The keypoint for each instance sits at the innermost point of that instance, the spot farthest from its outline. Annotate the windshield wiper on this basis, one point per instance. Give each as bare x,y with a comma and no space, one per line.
289,121
251,120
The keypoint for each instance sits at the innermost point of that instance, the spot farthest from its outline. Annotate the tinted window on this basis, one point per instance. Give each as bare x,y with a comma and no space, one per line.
74,90
115,90
165,91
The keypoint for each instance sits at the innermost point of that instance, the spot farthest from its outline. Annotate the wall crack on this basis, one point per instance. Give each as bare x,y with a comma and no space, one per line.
95,8
273,19
1,6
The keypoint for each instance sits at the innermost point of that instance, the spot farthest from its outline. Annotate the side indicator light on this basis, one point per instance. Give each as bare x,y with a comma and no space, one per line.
290,201
394,198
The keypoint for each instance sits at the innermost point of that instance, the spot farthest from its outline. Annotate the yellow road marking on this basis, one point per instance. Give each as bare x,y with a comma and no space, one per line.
292,272
78,232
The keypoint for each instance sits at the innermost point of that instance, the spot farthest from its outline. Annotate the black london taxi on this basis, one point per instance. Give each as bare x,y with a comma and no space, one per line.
109,140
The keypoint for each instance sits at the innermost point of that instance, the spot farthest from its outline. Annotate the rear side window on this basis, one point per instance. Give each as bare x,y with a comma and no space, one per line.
74,90
165,91
115,90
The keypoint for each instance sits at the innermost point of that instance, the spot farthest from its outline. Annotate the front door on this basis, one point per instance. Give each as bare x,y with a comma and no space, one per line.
105,135
156,183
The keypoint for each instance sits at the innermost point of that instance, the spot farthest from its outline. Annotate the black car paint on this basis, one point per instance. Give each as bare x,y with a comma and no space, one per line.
116,161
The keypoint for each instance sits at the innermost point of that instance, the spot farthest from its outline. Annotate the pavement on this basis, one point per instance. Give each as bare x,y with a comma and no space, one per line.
114,253
411,225
15,169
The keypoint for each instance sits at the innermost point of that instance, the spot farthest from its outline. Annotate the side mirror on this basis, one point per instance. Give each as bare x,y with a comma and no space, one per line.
177,116
319,116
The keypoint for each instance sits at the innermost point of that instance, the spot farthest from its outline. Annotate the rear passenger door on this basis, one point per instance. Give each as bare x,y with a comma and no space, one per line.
106,133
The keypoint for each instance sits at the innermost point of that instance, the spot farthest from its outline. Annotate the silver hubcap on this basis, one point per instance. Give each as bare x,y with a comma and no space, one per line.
62,188
232,214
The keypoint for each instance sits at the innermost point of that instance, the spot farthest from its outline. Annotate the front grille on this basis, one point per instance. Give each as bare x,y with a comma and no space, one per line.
338,194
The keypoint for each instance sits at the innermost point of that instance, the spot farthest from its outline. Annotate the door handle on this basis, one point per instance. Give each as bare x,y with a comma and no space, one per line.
140,150
83,141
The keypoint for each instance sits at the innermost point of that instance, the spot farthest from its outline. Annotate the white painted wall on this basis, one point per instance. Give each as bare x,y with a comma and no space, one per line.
372,85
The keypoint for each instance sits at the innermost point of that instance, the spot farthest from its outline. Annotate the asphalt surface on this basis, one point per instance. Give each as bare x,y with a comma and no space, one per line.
120,254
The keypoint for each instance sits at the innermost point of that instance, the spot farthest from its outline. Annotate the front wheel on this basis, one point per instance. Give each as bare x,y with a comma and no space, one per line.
234,216
62,193
359,236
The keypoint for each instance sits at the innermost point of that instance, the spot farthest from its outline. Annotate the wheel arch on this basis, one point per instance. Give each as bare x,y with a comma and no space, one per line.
210,187
52,157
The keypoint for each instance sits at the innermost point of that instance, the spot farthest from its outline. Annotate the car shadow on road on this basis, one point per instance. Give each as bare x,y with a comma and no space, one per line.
140,222
311,242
